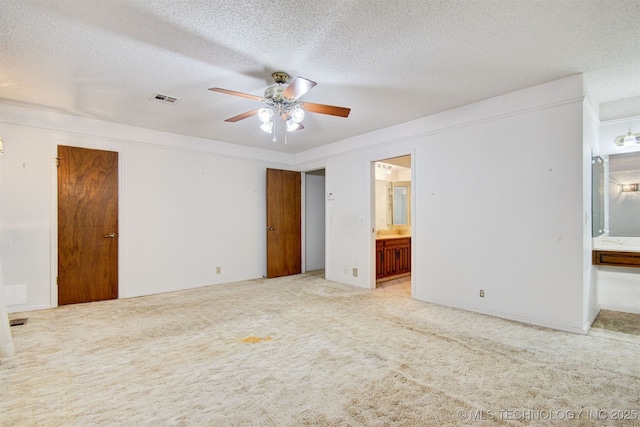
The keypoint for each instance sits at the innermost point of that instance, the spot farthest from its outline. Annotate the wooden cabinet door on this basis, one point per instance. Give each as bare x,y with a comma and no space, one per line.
404,258
390,262
379,260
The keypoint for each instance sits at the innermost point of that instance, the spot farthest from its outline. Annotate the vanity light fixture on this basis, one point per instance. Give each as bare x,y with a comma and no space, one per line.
384,168
627,140
630,187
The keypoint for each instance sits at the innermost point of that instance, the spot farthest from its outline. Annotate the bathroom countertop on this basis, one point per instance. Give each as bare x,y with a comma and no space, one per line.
621,244
392,236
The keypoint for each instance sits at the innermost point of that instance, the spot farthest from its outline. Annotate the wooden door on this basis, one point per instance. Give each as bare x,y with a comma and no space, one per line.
284,223
87,225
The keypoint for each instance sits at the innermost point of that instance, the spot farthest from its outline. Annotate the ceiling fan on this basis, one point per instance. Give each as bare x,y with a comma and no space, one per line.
283,101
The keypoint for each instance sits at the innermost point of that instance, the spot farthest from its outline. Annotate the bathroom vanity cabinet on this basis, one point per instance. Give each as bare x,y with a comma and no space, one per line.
393,257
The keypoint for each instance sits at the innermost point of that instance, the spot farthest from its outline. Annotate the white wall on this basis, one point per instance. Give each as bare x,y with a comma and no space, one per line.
186,206
505,216
7,348
499,205
186,213
25,190
350,179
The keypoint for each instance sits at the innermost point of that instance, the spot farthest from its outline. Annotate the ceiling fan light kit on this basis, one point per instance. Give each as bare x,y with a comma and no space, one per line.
284,101
297,114
267,126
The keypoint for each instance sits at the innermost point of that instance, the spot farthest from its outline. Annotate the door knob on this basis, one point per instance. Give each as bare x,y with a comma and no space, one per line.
271,229
110,235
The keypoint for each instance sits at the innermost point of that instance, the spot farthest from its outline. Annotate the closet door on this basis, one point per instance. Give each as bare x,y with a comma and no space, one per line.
87,225
284,223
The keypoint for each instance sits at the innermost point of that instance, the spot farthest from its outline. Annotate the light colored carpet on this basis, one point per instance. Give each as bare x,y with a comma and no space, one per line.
303,351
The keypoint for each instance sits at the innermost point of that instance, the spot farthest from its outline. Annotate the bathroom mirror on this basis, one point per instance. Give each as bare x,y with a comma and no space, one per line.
399,203
598,197
624,195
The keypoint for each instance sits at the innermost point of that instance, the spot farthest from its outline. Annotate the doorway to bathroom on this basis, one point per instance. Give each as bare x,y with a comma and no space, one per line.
392,224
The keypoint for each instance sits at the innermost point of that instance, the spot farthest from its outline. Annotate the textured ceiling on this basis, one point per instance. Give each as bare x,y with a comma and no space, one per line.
389,61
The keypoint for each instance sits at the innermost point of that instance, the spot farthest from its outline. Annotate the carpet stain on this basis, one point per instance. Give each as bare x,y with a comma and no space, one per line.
253,339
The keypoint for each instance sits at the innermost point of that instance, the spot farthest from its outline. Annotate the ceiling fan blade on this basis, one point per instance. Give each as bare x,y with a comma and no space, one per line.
236,93
298,87
243,116
326,109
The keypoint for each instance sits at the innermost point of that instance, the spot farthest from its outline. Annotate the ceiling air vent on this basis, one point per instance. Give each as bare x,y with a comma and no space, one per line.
165,98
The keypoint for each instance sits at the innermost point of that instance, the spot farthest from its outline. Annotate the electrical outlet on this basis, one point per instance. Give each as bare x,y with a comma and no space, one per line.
355,272
218,270
346,269
481,293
